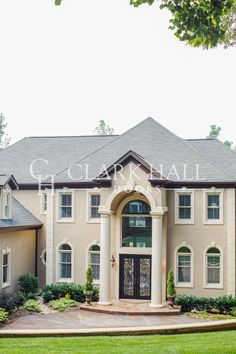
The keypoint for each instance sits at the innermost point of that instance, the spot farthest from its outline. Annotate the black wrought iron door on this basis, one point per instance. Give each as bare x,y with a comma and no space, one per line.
135,276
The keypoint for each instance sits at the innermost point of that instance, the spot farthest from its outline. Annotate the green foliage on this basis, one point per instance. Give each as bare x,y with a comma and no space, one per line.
89,280
62,304
214,132
76,292
171,284
4,139
103,128
10,301
224,304
32,306
28,285
3,315
233,312
58,2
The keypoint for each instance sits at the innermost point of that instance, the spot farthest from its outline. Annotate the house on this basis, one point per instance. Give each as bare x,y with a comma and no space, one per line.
131,206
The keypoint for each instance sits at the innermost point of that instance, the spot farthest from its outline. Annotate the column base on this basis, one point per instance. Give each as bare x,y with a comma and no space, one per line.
104,303
157,305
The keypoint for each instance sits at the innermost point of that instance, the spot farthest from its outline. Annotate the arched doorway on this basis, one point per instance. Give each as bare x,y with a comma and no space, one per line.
136,233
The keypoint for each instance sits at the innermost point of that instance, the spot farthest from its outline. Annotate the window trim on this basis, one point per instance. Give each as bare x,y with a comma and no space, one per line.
184,191
7,251
219,285
42,203
89,219
213,191
4,193
95,243
42,256
191,283
64,280
65,220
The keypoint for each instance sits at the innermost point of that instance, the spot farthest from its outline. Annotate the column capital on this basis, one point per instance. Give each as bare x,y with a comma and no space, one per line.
104,212
158,212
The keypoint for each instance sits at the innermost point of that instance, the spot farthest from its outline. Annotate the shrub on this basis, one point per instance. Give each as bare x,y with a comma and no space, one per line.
10,301
171,284
223,304
76,292
233,312
28,284
62,304
89,280
32,306
3,315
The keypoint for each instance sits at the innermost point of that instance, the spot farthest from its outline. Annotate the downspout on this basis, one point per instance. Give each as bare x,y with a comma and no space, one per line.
36,253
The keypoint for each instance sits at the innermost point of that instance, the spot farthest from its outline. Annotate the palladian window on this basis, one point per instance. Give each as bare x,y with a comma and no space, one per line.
136,225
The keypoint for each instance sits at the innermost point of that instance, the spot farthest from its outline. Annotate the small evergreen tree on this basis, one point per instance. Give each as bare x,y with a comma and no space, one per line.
89,280
171,284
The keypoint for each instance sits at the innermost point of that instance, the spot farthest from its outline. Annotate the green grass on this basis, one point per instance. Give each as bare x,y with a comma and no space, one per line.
218,342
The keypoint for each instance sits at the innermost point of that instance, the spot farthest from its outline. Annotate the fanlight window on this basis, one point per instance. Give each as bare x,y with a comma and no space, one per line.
136,225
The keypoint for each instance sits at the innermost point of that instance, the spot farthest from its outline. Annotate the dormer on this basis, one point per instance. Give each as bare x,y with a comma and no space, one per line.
7,184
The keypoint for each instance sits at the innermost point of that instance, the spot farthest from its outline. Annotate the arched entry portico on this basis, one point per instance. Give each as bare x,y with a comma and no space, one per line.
156,213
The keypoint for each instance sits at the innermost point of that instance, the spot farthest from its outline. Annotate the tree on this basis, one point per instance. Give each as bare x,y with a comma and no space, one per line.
199,23
4,138
214,132
103,128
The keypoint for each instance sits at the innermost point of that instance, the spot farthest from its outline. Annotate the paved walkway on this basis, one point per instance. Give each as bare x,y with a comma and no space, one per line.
79,319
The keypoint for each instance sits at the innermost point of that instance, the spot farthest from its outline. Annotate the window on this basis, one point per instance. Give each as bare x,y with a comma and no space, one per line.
184,208
184,269
65,262
6,268
65,201
213,267
136,225
94,261
6,204
94,206
44,203
213,207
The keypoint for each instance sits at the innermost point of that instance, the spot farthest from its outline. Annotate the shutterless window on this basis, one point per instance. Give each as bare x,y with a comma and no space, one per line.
65,262
213,206
94,206
6,207
184,206
184,264
5,269
94,261
213,266
65,206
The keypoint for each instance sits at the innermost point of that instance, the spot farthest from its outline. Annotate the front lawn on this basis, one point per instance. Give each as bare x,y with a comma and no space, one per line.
218,342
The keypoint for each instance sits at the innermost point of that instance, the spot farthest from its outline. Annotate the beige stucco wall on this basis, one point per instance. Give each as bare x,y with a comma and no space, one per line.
199,236
22,256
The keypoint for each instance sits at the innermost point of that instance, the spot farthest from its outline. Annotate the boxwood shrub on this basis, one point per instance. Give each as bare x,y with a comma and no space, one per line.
76,292
224,304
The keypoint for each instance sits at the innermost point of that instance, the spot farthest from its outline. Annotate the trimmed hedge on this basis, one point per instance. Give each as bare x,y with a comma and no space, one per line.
224,304
76,292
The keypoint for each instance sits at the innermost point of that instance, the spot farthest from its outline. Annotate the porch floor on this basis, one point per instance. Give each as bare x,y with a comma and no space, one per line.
131,307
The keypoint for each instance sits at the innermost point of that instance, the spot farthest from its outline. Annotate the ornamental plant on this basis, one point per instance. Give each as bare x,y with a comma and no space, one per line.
89,280
171,284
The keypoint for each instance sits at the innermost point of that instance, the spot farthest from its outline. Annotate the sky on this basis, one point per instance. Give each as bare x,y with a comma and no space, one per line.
62,69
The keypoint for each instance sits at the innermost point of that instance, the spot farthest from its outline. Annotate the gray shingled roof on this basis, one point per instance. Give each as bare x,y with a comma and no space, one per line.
153,142
21,217
4,178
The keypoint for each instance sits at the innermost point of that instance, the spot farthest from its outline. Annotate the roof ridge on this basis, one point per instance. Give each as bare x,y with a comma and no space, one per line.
71,136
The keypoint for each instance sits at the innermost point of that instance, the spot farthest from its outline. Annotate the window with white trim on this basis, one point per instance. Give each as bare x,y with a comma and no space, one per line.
214,207
65,262
6,204
94,206
213,267
94,261
184,213
6,255
44,201
65,206
184,269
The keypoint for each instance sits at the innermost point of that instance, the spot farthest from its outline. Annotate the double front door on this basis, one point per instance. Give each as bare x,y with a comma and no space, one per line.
135,276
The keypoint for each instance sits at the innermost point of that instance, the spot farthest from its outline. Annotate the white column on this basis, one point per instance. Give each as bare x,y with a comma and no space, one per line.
104,297
49,238
156,294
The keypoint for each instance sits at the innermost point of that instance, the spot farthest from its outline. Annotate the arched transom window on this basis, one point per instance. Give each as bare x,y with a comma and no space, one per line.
184,269
136,225
94,261
213,267
65,261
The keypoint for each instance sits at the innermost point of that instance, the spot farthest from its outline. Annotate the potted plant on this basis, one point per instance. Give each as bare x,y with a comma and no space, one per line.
88,286
171,293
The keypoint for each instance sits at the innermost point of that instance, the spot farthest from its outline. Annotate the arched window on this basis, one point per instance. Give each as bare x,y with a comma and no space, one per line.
213,267
136,225
184,271
94,261
65,261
